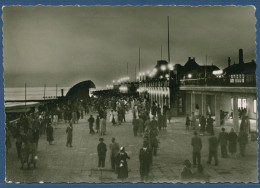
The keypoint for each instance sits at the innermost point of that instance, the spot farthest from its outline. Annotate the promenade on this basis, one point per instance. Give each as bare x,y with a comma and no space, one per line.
58,163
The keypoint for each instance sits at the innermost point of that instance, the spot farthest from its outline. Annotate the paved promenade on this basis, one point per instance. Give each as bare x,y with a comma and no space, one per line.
58,163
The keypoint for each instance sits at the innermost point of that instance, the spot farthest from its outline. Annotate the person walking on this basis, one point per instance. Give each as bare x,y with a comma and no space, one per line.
49,133
35,135
122,164
154,124
97,124
187,122
193,121
202,124
232,144
145,158
223,139
242,140
135,126
69,131
91,121
140,125
102,150
197,146
114,149
213,149
209,128
103,126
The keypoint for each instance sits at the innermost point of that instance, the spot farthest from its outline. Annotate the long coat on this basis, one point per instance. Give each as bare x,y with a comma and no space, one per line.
232,145
122,165
145,158
49,132
69,131
103,125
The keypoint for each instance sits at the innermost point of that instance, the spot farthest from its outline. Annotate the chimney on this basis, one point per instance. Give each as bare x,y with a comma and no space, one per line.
241,61
62,93
189,58
229,61
193,59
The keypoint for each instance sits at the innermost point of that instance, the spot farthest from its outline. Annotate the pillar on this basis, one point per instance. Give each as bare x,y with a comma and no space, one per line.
204,105
235,114
192,102
217,109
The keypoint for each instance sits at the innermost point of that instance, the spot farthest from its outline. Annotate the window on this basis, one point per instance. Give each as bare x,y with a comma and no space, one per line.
242,103
255,106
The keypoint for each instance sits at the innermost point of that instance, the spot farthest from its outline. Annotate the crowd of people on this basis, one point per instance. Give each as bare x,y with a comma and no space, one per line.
227,141
148,120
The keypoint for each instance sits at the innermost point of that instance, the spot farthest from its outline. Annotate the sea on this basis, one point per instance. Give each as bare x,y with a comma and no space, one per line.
35,93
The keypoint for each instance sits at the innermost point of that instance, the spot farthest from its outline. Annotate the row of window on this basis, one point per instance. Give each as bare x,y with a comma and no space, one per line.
242,103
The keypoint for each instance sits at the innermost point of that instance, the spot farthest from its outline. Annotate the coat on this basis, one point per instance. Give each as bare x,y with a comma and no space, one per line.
223,138
102,149
196,144
114,149
69,131
49,132
122,165
103,125
145,158
232,145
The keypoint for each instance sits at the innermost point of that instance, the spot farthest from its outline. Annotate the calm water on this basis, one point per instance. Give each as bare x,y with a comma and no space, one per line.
33,93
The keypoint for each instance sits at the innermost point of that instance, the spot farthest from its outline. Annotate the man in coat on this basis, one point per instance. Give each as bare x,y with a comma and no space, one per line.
213,149
145,156
196,145
135,126
102,150
114,149
91,121
69,131
223,140
242,140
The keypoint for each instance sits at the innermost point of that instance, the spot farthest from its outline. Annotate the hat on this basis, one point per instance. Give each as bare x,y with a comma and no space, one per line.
101,139
122,148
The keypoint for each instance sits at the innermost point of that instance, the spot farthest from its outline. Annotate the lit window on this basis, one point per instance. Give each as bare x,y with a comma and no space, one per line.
254,106
239,103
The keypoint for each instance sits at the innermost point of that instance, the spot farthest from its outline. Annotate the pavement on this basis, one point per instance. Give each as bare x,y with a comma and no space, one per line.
58,163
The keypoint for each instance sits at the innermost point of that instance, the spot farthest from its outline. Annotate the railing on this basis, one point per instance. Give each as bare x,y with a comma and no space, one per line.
155,83
246,81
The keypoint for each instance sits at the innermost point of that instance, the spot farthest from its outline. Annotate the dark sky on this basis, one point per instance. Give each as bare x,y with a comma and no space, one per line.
65,45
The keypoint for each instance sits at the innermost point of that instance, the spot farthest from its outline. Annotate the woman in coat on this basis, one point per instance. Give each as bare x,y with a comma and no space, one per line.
122,164
49,132
232,138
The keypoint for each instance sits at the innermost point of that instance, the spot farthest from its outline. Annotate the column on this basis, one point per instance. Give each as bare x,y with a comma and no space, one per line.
192,102
235,114
204,105
217,109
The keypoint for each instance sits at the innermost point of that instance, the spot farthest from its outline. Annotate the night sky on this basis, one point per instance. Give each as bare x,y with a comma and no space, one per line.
65,45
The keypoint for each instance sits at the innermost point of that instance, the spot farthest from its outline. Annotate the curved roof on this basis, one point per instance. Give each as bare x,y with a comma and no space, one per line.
81,90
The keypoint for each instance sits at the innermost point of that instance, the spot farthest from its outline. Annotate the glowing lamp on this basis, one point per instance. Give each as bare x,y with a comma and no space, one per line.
170,67
163,67
217,72
189,75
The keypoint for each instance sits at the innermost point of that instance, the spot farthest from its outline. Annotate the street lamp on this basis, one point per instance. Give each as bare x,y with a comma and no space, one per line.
163,67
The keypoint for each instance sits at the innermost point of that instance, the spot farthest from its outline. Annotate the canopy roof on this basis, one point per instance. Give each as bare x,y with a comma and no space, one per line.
81,90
